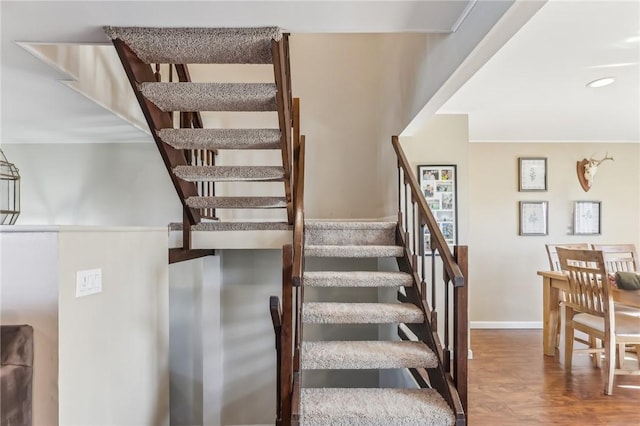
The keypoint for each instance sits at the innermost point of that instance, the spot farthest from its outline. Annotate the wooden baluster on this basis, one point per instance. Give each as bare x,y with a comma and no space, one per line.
399,193
407,191
414,227
446,348
423,283
157,75
434,313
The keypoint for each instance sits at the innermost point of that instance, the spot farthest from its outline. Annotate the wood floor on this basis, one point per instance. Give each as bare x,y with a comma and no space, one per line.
512,383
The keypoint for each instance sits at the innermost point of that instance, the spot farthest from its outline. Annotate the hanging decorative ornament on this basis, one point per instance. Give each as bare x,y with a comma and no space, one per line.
9,191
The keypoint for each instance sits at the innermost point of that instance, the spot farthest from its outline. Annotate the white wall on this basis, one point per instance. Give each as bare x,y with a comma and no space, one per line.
29,295
114,345
93,184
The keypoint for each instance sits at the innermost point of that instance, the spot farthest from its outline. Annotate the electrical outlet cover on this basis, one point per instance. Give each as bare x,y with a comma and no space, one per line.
88,282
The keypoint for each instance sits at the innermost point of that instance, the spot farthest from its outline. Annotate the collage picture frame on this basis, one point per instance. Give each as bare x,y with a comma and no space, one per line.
439,187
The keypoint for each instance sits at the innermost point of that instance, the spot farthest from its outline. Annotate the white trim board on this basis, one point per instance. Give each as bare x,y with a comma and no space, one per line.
505,324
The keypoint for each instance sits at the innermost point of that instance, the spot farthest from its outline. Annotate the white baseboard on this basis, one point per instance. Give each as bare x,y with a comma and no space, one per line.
505,324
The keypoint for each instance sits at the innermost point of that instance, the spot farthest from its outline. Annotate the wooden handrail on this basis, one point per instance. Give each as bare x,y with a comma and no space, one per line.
284,117
437,239
293,160
298,230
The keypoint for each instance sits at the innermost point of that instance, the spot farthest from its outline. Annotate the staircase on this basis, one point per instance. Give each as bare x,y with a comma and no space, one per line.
187,146
364,406
173,110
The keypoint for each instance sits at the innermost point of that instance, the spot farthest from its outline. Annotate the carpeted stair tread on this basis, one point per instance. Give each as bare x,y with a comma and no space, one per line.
229,173
352,251
237,202
373,407
211,96
357,279
234,226
199,45
351,355
350,233
221,138
361,313
310,225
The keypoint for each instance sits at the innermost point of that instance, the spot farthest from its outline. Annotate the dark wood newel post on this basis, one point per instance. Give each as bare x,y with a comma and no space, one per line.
461,326
286,343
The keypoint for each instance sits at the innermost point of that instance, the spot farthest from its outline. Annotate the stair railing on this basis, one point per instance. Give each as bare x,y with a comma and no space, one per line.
287,321
196,157
193,157
424,263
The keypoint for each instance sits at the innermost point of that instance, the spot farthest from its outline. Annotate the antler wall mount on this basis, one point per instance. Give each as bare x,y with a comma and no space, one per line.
587,170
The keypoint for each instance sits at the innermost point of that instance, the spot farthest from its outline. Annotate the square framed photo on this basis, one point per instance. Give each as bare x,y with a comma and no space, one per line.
532,173
534,217
587,217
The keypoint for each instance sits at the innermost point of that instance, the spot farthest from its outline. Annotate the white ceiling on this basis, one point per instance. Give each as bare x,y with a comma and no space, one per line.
533,89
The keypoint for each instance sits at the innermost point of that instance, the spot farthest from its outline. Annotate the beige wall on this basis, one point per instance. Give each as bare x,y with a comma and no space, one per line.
114,345
503,265
444,140
504,288
101,359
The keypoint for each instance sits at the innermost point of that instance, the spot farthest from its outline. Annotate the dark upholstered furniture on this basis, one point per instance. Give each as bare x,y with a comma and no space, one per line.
16,375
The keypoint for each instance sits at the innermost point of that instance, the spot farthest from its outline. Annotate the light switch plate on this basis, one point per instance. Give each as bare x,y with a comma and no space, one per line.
88,282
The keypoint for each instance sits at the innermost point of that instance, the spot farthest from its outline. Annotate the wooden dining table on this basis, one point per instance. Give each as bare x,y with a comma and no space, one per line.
554,282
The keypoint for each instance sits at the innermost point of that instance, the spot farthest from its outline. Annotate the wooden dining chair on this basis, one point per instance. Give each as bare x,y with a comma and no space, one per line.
552,252
590,309
554,265
619,257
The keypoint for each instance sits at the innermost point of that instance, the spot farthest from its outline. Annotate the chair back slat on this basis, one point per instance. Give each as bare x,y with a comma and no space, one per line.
619,257
588,286
552,252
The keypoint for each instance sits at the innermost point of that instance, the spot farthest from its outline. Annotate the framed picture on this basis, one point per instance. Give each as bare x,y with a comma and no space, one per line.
439,187
534,217
586,218
533,174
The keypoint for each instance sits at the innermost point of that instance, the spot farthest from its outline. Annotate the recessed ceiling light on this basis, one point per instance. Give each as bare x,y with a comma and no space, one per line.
601,82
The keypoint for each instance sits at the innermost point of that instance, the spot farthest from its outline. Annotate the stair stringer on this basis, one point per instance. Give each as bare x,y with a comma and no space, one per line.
137,72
